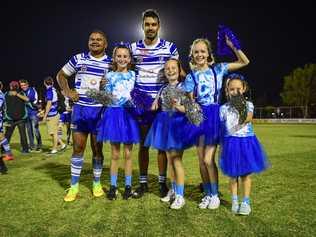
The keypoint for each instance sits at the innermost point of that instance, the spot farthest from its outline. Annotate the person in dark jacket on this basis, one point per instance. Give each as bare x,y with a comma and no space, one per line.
15,113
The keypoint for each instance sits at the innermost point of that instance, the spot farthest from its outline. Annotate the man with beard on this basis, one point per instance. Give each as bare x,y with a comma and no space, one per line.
150,55
88,68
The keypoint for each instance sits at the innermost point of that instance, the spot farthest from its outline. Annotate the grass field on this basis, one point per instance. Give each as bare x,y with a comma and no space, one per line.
283,197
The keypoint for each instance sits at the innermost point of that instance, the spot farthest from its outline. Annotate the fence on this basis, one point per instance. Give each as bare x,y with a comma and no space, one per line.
285,112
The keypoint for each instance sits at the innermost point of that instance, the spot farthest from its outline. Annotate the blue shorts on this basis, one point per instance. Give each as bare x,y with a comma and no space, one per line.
85,119
65,117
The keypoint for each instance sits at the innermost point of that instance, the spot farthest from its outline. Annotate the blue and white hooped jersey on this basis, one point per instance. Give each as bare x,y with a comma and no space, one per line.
229,117
204,83
51,95
149,61
89,72
31,93
120,84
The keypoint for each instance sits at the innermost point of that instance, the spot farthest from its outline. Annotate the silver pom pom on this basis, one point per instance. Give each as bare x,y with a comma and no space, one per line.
193,112
102,97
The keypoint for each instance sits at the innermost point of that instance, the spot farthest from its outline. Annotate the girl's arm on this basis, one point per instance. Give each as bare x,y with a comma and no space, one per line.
249,118
242,59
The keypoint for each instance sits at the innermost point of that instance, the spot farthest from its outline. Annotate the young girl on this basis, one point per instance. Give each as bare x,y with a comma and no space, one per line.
172,132
117,125
241,152
206,81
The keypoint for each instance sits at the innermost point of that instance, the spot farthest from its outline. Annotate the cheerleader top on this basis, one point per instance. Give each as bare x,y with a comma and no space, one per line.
206,84
120,84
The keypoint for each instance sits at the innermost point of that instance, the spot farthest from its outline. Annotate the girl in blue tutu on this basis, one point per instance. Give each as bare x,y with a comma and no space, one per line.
117,125
241,152
205,83
172,132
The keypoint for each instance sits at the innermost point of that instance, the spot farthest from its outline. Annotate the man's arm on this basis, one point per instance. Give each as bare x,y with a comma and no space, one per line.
62,80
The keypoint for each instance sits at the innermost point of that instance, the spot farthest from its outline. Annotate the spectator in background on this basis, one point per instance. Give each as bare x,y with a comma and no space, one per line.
15,113
51,115
32,119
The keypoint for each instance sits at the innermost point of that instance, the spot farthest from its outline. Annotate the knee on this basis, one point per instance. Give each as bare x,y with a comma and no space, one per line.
115,156
209,162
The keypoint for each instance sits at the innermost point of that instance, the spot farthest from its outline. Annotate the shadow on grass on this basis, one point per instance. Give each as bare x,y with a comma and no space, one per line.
304,136
61,173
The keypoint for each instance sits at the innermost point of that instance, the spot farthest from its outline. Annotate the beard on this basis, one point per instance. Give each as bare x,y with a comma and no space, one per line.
151,35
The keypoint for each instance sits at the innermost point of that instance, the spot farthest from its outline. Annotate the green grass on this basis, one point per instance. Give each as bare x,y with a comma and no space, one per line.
283,197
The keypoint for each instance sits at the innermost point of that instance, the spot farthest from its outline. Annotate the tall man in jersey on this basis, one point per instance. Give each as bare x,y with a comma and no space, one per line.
150,55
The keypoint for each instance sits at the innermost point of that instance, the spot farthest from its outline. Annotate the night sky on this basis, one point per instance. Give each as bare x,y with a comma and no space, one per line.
37,40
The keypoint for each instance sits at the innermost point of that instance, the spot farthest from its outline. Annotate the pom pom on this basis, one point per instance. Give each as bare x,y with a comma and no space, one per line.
141,99
240,104
193,111
222,48
102,97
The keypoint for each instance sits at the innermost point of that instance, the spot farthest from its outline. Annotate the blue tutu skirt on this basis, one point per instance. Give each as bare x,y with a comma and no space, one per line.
172,131
242,156
210,127
118,126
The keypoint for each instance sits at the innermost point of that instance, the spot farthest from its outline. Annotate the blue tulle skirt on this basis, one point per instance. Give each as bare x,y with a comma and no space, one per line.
210,127
241,156
172,131
118,126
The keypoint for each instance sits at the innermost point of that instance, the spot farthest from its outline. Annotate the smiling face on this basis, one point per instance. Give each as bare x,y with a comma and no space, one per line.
97,43
172,71
235,87
151,27
122,58
24,86
200,54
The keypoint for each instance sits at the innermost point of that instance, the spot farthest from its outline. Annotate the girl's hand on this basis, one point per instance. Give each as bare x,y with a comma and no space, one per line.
154,105
229,43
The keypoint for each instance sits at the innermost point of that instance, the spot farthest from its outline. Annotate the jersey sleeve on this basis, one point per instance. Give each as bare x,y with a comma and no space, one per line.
70,67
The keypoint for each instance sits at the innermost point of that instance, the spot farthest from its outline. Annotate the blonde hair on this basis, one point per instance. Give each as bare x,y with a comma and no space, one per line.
114,64
210,58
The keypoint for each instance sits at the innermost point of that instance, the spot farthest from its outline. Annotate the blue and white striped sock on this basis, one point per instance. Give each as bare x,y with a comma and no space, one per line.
97,168
76,167
162,178
143,179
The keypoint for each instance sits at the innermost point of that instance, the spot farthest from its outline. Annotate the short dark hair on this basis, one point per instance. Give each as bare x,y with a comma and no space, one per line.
23,81
1,85
99,32
49,81
151,13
